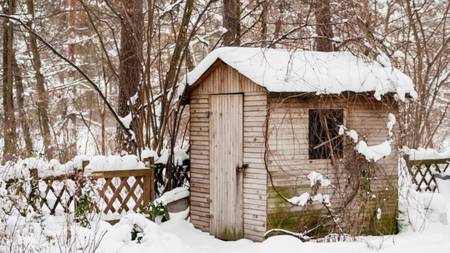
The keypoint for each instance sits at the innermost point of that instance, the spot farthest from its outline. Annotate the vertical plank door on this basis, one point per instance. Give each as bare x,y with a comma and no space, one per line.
226,143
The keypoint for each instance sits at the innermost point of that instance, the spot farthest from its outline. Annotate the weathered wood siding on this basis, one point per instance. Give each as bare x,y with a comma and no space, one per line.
289,161
370,121
255,176
225,80
199,138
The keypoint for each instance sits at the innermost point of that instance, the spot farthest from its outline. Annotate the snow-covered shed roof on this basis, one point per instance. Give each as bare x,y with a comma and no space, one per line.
309,71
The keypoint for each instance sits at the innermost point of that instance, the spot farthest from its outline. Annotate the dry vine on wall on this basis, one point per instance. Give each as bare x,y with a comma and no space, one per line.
304,136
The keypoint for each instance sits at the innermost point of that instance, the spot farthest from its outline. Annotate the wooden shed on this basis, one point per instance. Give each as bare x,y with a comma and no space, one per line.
257,130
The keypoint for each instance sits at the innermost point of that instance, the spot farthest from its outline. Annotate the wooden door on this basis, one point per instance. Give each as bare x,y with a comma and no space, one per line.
226,151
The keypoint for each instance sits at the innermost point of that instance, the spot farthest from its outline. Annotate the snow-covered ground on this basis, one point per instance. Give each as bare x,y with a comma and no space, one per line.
425,218
179,236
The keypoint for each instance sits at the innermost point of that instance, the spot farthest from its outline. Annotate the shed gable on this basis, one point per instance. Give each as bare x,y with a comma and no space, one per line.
223,79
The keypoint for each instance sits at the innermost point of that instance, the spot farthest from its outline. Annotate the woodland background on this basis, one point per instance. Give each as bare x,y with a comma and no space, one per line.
100,77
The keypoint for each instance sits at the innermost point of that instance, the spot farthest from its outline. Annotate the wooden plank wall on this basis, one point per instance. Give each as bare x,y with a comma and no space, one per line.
288,162
199,137
288,146
225,80
370,121
255,176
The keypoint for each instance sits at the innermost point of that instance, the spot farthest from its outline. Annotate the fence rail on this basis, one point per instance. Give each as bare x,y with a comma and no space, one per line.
422,172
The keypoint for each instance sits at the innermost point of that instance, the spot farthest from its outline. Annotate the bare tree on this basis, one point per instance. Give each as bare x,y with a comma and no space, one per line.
322,10
9,123
231,22
418,43
42,103
131,42
72,91
23,117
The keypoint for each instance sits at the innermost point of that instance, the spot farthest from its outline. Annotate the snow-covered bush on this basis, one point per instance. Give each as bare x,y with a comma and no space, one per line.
26,224
154,209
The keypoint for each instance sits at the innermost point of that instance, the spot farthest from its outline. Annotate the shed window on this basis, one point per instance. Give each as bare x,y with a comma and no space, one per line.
324,138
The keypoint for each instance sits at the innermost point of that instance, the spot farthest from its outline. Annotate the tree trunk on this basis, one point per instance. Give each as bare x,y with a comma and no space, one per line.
130,56
71,55
264,12
324,30
180,45
231,22
72,47
279,20
171,78
23,117
42,103
9,127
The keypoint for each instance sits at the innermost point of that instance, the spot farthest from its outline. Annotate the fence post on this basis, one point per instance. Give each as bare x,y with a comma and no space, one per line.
79,181
149,181
152,178
34,194
84,164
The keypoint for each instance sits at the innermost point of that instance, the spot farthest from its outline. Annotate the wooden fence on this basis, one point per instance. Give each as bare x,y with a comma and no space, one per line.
118,191
124,187
422,172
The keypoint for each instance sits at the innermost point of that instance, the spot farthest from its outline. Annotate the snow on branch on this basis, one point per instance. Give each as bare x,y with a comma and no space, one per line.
316,179
376,152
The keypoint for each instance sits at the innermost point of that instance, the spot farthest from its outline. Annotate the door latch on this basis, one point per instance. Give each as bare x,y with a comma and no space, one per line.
243,167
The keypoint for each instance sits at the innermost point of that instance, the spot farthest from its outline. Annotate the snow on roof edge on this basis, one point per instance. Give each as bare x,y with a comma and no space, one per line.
280,70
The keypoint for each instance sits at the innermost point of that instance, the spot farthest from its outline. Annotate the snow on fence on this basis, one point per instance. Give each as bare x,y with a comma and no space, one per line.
424,164
55,192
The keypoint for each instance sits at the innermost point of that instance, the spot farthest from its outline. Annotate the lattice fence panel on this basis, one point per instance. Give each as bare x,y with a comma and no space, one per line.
57,194
123,191
122,194
119,191
422,172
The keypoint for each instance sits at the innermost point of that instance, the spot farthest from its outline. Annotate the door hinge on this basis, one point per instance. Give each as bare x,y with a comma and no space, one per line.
208,113
208,215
